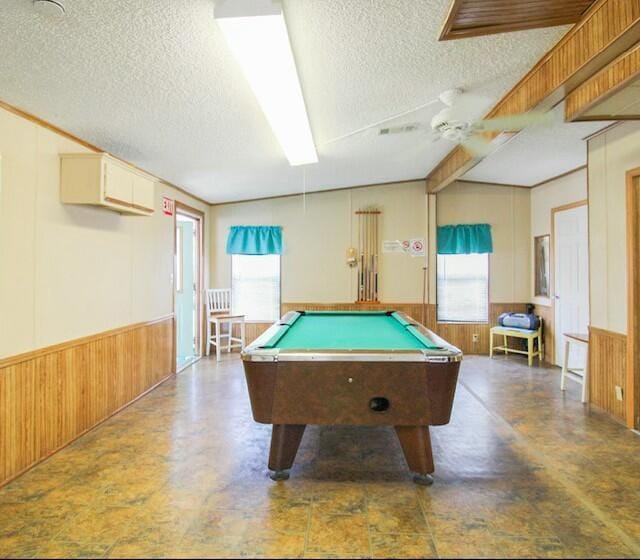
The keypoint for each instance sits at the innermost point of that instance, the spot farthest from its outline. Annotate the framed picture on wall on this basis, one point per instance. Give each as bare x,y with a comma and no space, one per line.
541,265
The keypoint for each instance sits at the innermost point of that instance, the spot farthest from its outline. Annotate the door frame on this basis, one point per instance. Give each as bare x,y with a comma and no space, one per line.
632,389
552,270
199,217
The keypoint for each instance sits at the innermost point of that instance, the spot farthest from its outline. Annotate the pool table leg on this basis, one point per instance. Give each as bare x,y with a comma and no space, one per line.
416,445
285,440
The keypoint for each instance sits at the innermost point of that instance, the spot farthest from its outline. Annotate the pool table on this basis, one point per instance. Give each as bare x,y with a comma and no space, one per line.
365,368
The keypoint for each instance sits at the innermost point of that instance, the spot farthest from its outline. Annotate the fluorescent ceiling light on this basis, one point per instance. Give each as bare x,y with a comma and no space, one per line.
257,35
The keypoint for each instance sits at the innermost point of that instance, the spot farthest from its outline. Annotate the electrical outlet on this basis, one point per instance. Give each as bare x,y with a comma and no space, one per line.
618,392
475,337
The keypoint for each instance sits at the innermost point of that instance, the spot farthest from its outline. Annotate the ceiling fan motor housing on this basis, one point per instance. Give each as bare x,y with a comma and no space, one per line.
451,129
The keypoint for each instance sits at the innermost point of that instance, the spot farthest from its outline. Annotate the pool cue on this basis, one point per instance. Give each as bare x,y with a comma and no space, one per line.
375,262
359,257
364,262
371,217
370,267
361,223
369,256
374,221
366,257
359,271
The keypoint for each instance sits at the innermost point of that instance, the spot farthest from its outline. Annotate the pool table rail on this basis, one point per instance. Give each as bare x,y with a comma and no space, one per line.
257,352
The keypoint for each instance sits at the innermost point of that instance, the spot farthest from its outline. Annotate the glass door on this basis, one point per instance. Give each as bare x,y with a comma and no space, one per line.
186,289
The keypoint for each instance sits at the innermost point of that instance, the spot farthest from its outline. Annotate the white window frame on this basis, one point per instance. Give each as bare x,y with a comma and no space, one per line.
279,311
463,321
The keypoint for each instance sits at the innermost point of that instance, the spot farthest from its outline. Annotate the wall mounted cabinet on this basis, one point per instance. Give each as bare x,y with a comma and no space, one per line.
101,180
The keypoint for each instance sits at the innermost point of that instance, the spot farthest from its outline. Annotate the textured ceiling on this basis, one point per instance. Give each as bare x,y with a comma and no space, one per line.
152,82
537,153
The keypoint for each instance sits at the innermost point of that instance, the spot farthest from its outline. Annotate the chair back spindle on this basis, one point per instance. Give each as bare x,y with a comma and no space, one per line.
218,301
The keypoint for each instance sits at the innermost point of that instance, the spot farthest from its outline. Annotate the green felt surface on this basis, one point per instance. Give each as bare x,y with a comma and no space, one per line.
348,331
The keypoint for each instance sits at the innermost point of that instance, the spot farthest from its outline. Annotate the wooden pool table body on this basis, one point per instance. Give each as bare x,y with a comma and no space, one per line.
291,388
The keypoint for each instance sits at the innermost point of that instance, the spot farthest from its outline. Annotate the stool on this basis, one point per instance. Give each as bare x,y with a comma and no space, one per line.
579,375
218,314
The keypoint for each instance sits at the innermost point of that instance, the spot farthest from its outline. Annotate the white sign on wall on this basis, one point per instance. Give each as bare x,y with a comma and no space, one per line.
417,247
414,247
392,247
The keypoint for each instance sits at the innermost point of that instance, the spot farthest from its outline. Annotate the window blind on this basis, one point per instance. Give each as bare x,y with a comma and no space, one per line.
255,286
463,288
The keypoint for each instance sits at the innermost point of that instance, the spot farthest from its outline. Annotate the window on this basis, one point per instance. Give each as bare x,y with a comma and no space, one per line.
463,288
255,286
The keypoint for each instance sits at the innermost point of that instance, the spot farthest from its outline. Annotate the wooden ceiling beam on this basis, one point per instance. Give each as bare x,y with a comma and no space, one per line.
610,80
607,30
492,29
469,18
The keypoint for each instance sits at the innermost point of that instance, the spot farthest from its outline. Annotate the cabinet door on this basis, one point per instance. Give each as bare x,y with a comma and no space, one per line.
118,185
142,193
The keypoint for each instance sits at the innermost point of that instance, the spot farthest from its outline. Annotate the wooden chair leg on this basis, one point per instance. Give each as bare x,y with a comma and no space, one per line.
506,349
490,344
565,366
208,337
530,351
229,339
217,340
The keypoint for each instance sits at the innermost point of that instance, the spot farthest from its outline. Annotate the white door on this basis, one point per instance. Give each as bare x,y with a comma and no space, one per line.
571,285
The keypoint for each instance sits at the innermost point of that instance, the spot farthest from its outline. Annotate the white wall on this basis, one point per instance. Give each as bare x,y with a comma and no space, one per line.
317,233
317,236
69,271
507,209
611,155
564,190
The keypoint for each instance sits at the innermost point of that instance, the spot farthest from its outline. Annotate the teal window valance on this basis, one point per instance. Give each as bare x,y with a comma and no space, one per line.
464,239
254,240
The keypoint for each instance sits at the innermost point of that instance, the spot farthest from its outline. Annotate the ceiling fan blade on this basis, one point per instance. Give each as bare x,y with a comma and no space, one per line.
513,122
477,146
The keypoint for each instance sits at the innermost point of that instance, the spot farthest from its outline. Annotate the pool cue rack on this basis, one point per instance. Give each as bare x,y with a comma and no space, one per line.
368,273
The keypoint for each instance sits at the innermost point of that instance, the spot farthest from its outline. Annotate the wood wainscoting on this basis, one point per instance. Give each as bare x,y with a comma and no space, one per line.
458,334
462,334
548,320
607,368
53,395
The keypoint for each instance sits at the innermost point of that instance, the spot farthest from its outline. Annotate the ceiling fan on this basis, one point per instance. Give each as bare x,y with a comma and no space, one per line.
450,123
453,123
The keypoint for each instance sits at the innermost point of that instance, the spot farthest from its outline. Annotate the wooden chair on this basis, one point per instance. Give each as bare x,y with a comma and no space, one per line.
219,314
527,334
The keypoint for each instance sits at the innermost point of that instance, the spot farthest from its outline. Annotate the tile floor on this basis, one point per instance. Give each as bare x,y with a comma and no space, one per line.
522,471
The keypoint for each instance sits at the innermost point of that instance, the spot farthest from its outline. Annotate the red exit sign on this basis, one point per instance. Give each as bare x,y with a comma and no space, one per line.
168,205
